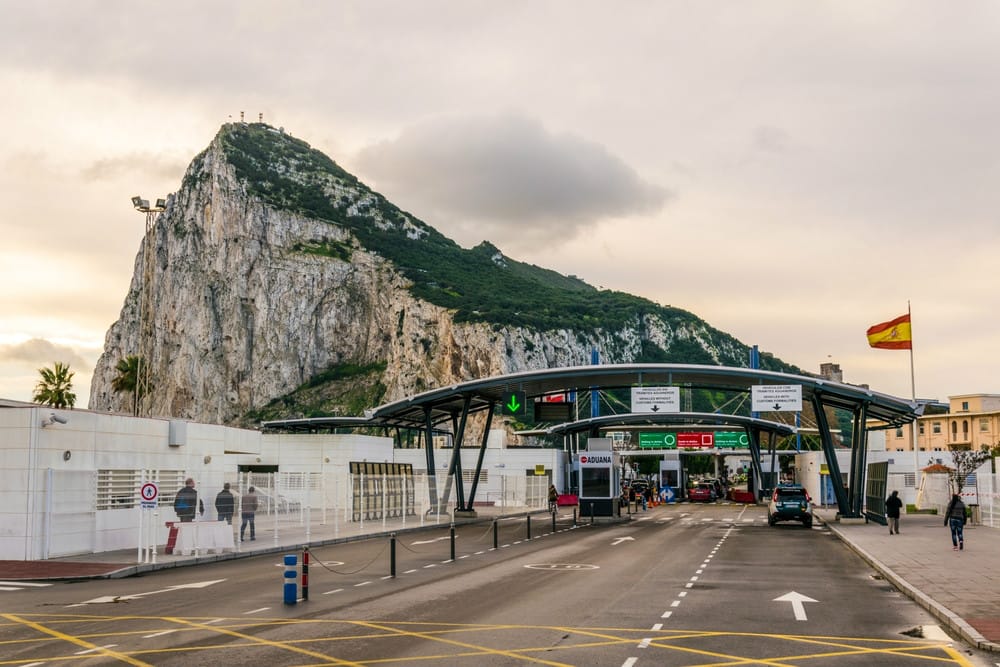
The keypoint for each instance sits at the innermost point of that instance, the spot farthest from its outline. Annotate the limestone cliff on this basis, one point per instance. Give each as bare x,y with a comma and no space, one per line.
276,274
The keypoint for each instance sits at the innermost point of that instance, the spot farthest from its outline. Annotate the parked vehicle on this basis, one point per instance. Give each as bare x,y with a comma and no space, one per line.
790,502
702,492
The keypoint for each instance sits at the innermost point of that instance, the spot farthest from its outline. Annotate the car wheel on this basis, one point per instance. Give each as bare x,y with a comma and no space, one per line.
808,523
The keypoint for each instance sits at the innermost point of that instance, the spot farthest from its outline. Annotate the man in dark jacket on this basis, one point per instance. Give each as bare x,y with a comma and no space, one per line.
954,517
186,502
892,506
225,503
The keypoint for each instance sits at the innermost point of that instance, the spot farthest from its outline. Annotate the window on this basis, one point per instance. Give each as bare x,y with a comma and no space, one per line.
984,425
965,406
965,429
899,433
936,427
954,430
117,489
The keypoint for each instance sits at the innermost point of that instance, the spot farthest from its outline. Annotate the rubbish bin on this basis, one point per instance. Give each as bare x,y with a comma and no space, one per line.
974,515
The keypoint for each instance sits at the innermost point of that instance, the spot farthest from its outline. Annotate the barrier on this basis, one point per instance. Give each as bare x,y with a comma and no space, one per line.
305,573
291,588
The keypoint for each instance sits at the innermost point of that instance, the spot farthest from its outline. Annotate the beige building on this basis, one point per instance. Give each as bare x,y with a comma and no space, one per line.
972,422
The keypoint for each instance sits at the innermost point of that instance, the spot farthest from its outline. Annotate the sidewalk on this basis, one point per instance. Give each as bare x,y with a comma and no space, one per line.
960,588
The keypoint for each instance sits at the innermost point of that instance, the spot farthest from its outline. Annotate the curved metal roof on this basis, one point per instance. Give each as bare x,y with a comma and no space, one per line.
446,403
693,418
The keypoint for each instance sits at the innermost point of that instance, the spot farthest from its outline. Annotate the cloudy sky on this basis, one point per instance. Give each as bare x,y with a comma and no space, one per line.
792,172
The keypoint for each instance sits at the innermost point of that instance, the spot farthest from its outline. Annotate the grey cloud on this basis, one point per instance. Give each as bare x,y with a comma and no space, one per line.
505,175
157,166
44,353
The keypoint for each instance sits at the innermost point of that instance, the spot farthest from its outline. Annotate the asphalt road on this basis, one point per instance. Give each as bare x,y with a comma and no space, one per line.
679,585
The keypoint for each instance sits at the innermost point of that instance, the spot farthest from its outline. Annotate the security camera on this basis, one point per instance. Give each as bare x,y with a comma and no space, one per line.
57,419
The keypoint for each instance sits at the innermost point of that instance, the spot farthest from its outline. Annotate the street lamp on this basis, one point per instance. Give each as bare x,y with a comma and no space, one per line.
142,370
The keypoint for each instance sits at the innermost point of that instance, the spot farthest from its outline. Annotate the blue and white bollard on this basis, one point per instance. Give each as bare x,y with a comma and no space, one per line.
291,587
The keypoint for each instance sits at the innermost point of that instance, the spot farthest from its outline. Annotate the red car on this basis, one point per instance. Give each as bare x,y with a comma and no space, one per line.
703,492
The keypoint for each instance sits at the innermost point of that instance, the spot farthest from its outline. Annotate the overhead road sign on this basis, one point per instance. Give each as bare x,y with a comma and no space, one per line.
656,399
514,403
776,398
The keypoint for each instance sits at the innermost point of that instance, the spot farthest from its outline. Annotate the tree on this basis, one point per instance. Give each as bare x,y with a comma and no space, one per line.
55,386
129,370
967,461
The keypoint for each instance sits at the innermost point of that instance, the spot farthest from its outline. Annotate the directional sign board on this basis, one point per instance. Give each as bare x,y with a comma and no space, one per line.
656,399
514,404
776,398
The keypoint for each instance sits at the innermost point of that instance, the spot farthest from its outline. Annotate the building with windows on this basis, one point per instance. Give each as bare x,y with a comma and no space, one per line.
972,422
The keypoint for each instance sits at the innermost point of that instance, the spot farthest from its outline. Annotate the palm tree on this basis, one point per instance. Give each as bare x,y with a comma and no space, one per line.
55,386
129,370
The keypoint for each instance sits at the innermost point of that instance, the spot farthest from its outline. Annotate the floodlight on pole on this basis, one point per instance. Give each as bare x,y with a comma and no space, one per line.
145,333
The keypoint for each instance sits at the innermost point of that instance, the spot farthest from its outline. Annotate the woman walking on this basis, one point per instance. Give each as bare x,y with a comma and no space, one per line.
954,516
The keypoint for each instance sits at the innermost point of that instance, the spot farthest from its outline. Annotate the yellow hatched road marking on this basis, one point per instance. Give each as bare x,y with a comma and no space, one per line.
98,650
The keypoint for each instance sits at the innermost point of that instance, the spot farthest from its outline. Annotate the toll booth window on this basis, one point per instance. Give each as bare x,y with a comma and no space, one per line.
595,482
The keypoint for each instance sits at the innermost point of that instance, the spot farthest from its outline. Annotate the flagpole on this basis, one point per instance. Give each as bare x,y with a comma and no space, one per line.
913,391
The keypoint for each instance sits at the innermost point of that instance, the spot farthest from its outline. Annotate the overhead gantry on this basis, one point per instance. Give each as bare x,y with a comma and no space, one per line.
430,411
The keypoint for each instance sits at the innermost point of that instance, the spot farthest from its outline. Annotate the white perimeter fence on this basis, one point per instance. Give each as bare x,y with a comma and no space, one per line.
95,511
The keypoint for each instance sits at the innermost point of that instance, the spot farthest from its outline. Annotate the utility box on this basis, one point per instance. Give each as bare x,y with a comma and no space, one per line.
177,433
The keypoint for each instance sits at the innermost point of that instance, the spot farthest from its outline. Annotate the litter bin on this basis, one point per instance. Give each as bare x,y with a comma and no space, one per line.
974,515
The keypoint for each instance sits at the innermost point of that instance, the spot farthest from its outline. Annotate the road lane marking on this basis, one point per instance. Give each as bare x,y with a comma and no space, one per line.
337,590
645,642
160,634
255,611
95,649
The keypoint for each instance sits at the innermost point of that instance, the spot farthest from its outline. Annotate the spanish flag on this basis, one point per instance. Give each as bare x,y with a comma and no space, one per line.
892,335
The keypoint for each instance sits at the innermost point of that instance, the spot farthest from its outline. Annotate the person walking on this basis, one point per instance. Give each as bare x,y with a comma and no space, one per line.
186,502
892,506
553,498
224,504
248,508
954,517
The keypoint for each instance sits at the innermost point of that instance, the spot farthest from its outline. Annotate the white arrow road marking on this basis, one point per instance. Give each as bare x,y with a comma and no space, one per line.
125,598
436,539
619,540
797,607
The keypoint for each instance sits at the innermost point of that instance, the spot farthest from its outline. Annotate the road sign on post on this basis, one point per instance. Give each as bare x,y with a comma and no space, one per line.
656,399
149,496
514,404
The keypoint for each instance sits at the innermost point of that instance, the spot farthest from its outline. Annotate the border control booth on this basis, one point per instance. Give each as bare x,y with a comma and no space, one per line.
596,471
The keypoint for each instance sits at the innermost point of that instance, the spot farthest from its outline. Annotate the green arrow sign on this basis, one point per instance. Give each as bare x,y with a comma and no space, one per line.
514,403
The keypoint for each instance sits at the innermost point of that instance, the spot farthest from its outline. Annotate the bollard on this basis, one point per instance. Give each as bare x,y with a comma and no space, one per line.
453,540
392,555
591,514
291,592
553,521
496,543
574,515
305,573
528,524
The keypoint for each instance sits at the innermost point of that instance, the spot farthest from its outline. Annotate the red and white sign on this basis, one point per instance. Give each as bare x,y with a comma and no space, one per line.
695,440
149,494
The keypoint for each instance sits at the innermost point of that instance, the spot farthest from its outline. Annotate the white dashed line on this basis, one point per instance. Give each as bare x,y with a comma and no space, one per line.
246,613
630,662
645,642
92,650
167,632
666,614
675,603
363,583
657,626
336,590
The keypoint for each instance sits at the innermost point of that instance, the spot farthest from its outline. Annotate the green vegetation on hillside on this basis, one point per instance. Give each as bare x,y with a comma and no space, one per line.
479,284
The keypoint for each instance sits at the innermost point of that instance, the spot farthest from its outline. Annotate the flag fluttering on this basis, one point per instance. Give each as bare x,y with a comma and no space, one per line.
892,335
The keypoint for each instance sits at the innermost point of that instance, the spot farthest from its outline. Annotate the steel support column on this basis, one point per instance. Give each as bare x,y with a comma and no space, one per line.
482,453
432,492
455,467
755,471
859,456
843,505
